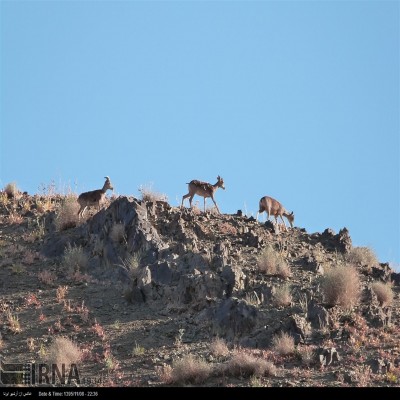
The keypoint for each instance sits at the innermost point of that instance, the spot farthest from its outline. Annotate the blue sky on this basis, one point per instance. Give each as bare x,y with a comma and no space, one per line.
298,100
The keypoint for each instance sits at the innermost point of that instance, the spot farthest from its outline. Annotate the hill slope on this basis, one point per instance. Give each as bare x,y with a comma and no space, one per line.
151,295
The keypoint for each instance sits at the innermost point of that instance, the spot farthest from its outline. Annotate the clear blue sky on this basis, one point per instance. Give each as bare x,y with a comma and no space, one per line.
296,100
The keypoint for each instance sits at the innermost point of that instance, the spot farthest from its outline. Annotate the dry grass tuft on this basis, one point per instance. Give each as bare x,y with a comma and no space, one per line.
132,262
219,348
63,351
341,286
117,233
244,364
271,262
47,277
75,258
383,292
13,322
283,344
67,215
307,355
147,194
282,296
11,190
61,293
362,256
188,369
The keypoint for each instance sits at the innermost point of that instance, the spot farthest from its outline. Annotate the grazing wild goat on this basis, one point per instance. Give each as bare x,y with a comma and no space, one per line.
273,207
203,189
94,197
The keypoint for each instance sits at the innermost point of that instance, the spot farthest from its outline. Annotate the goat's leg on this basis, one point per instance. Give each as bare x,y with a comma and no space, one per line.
215,204
184,197
284,224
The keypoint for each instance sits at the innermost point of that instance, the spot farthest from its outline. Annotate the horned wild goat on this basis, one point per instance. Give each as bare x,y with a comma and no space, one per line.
94,197
203,189
274,208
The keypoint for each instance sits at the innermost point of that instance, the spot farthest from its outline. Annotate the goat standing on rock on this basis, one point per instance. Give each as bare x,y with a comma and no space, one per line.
275,208
94,197
203,189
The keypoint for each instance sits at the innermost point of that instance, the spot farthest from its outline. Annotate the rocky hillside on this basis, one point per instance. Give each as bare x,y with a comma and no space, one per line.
146,294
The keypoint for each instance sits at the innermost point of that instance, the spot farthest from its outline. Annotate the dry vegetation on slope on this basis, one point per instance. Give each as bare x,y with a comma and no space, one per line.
145,294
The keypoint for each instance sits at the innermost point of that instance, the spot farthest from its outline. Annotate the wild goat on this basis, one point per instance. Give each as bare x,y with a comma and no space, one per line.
94,197
203,189
273,207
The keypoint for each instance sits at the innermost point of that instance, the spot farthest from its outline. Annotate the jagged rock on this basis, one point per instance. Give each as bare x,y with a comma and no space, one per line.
198,288
300,328
382,272
253,240
234,279
395,278
378,317
379,366
221,255
234,318
135,295
312,265
344,240
328,356
317,315
375,314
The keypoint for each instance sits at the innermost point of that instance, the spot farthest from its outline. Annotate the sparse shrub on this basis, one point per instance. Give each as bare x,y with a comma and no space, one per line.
31,299
75,258
13,322
362,256
3,198
270,262
98,330
341,286
61,293
131,263
188,369
148,194
179,337
11,189
283,344
244,364
253,299
383,292
283,270
47,277
282,296
15,218
219,348
138,350
307,354
17,269
63,351
67,216
83,311
117,233
303,302
110,361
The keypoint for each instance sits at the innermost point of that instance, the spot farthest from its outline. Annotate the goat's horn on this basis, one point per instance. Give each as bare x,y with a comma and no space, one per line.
106,177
